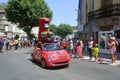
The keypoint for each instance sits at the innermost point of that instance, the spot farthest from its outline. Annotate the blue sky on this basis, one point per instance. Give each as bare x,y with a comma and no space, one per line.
63,11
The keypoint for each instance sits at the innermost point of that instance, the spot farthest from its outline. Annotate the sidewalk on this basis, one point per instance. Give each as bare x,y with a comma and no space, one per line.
106,59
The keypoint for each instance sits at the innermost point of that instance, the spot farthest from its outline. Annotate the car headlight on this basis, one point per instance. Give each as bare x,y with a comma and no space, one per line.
50,57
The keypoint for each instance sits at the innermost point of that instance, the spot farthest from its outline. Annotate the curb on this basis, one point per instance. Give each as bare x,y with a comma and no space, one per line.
105,61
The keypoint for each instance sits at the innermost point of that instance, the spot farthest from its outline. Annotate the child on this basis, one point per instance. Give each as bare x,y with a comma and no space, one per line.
95,51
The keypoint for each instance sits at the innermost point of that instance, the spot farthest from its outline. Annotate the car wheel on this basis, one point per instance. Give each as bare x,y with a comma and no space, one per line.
43,63
67,65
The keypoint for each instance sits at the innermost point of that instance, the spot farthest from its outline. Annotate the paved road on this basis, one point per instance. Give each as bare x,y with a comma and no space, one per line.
17,65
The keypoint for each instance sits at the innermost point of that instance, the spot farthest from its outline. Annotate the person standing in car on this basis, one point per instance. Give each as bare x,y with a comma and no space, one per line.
63,43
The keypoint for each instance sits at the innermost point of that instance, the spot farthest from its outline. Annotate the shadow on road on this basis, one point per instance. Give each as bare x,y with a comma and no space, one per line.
48,68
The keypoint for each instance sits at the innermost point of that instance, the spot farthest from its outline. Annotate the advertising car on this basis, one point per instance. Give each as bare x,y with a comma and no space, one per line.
50,55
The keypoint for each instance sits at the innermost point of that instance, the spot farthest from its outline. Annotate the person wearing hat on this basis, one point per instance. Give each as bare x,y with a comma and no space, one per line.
95,51
63,43
112,45
90,46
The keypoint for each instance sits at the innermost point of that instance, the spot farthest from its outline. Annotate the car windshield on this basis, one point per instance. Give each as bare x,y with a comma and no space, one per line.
52,46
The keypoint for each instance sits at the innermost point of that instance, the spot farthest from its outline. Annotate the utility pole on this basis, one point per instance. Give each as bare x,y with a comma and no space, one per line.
92,21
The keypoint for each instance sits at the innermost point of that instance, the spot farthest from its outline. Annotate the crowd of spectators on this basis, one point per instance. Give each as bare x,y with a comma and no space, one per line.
14,44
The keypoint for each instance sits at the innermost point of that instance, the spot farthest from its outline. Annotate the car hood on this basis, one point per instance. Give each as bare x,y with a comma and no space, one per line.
58,53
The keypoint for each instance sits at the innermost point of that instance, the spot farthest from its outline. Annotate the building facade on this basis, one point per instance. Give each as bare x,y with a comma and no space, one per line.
102,18
11,30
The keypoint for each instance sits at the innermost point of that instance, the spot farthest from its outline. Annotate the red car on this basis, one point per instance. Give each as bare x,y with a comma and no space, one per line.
50,55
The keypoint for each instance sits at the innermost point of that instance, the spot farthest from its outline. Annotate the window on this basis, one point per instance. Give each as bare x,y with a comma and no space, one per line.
46,25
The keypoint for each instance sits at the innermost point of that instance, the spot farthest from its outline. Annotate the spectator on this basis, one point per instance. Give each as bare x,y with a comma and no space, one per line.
1,44
79,50
90,45
6,41
16,44
75,48
95,51
112,45
11,44
70,47
86,46
82,46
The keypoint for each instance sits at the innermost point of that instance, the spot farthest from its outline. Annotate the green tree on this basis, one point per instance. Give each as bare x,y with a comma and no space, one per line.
63,30
53,28
74,27
25,13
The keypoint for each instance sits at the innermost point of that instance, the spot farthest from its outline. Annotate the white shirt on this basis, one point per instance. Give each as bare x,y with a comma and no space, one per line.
90,44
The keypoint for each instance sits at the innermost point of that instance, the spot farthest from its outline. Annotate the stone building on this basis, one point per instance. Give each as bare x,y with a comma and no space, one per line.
10,30
101,18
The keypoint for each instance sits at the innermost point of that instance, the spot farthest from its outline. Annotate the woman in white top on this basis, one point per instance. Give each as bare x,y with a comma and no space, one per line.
90,46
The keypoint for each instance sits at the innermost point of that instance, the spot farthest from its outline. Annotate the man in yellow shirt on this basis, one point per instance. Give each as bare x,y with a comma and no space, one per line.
16,44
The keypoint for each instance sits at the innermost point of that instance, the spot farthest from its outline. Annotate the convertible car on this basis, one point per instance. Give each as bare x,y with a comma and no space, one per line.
50,55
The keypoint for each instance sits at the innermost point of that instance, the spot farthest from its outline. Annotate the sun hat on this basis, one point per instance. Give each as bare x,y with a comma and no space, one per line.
112,38
91,38
96,45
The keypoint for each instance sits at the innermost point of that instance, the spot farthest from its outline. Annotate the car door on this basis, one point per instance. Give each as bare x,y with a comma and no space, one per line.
37,54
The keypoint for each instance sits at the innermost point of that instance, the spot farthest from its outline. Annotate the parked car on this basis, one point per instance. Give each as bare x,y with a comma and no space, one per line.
50,55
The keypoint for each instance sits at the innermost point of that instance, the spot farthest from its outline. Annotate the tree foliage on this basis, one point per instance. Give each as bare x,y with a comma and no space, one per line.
53,28
25,13
63,30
